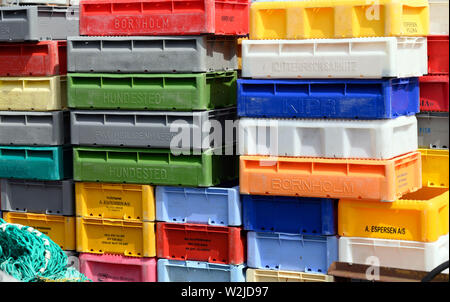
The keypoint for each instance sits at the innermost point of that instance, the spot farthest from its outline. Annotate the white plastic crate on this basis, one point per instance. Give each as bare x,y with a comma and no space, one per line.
51,2
413,255
438,17
335,58
332,138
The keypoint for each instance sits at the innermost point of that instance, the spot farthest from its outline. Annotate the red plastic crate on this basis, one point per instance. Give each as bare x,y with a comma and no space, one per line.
213,244
117,268
44,58
437,55
434,93
163,17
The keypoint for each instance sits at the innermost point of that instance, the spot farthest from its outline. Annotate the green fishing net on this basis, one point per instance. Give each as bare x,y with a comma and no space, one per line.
30,256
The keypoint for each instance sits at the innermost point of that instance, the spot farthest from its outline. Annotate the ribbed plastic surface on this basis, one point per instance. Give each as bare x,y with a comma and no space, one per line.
40,163
61,229
384,180
163,17
214,244
289,252
177,92
419,216
117,268
434,93
33,93
45,197
411,255
355,99
114,236
433,130
335,58
151,129
34,128
45,58
36,23
338,19
153,166
434,168
438,52
115,201
332,138
213,206
264,275
195,271
295,215
151,54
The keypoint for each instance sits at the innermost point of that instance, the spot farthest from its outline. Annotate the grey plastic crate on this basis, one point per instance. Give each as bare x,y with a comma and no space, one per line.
185,54
433,130
38,22
149,128
29,128
42,197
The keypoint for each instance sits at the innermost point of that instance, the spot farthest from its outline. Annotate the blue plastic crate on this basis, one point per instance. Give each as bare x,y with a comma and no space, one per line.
290,252
40,163
196,271
295,215
329,98
213,206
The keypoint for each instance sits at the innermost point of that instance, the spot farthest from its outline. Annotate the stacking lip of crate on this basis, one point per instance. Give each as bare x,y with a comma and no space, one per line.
138,69
35,153
321,108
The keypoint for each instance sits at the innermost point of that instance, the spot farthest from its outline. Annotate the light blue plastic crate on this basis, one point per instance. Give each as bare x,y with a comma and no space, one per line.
289,252
212,206
195,271
36,163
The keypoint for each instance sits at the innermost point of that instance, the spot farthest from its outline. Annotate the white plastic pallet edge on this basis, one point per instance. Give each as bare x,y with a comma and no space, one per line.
332,138
402,254
51,2
439,17
335,58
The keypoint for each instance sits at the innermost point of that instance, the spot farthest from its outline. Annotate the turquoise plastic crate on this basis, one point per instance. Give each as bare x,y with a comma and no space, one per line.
41,163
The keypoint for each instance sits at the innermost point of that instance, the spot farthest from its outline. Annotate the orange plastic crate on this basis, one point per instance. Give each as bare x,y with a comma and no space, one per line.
379,180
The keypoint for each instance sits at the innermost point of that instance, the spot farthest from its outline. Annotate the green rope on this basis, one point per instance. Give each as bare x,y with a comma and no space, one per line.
30,256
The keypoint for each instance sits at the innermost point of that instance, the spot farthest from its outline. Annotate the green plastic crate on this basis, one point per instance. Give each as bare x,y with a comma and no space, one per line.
40,163
153,166
181,92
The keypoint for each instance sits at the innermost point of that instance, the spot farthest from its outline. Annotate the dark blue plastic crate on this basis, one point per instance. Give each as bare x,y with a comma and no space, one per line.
296,215
290,252
329,98
36,163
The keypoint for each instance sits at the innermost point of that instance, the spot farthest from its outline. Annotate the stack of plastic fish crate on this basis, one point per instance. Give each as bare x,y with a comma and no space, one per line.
146,80
35,152
329,114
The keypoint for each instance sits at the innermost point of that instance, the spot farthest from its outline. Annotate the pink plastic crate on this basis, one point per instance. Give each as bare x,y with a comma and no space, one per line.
117,268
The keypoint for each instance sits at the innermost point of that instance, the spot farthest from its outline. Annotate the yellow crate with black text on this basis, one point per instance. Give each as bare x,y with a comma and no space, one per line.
261,275
115,236
115,201
61,229
419,216
434,168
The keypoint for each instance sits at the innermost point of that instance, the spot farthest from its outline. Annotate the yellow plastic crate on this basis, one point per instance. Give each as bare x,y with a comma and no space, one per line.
261,275
61,229
113,236
33,93
419,216
338,19
115,201
434,168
